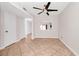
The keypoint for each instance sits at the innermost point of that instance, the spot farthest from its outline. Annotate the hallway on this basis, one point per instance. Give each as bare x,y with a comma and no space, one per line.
37,47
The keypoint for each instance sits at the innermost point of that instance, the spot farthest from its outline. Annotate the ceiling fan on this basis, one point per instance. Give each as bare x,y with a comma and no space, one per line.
46,7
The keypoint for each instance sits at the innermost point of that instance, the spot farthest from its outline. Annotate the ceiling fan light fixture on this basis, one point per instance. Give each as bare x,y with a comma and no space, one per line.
46,8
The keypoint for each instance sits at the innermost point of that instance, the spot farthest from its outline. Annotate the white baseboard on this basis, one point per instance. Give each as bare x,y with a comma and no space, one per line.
8,44
11,43
44,37
76,54
33,38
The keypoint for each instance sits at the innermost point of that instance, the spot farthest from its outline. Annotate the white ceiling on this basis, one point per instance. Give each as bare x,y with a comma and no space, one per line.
9,7
54,5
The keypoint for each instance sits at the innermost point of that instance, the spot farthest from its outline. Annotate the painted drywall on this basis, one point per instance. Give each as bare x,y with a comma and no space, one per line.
10,26
29,7
38,33
0,24
15,29
28,26
69,26
1,27
15,26
20,27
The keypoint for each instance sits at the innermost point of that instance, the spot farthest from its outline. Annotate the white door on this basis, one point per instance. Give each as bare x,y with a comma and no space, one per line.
9,28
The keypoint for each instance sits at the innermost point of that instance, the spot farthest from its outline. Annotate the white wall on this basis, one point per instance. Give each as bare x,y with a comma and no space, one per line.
15,26
0,25
28,26
69,27
20,27
10,26
37,21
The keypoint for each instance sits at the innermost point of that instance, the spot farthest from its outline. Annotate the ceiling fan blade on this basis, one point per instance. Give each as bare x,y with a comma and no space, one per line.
37,8
52,10
47,6
25,9
41,12
47,13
